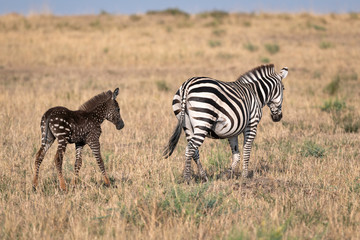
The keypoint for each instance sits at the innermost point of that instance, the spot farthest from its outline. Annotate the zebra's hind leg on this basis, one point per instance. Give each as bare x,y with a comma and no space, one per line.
196,158
233,141
189,153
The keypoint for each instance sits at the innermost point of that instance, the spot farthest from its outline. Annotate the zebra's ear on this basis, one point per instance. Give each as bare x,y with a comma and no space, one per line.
115,93
284,72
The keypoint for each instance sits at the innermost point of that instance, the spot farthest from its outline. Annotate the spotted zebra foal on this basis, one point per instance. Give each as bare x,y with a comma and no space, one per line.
80,127
206,107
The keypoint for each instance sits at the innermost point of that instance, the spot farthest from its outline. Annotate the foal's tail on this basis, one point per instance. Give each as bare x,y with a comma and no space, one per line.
45,129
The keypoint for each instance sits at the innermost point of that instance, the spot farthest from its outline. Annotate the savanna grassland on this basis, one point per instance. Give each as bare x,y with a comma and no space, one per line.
306,168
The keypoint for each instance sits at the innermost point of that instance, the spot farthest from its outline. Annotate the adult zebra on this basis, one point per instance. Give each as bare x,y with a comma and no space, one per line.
206,107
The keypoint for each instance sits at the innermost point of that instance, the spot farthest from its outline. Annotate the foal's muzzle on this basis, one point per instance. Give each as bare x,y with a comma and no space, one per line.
120,125
276,117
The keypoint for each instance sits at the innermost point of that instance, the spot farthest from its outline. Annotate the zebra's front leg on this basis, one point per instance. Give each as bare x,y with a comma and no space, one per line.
95,147
78,162
234,145
249,136
196,158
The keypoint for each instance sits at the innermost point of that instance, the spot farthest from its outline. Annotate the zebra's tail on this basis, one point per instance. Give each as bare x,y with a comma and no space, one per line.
169,149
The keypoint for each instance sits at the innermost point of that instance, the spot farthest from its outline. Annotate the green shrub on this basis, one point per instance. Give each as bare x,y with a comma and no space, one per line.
218,15
333,105
219,32
333,86
350,123
135,18
325,45
319,28
214,43
315,26
272,48
353,15
162,86
225,55
250,47
265,60
311,148
317,74
247,24
169,11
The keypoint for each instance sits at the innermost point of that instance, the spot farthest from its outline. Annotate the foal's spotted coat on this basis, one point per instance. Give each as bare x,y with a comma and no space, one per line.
80,127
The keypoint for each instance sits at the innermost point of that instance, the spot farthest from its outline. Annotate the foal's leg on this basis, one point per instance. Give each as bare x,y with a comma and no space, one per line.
59,161
78,162
39,158
95,147
46,142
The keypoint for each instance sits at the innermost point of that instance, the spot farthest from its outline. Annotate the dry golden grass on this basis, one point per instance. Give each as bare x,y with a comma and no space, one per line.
306,180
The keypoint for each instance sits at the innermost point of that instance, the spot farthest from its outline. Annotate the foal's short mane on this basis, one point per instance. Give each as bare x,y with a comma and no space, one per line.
92,103
267,69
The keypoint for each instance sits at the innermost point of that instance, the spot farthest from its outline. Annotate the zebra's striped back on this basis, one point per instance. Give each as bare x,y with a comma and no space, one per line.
223,106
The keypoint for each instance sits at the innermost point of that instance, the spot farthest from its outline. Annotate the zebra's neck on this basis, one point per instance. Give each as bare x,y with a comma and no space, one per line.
262,87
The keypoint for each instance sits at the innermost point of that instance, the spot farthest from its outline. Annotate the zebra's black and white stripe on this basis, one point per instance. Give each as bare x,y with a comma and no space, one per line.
206,107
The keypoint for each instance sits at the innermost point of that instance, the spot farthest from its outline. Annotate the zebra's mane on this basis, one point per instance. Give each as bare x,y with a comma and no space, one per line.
263,69
92,103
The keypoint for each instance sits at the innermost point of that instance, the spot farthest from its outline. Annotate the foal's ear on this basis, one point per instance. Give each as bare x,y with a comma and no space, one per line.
116,92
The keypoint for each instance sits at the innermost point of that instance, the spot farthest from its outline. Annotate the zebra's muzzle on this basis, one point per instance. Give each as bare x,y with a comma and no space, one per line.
276,117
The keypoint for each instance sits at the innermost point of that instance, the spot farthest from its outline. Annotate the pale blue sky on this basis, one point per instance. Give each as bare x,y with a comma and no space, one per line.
65,7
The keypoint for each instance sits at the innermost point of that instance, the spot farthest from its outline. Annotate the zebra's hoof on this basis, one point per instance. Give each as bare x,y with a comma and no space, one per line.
187,180
247,174
205,179
229,174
